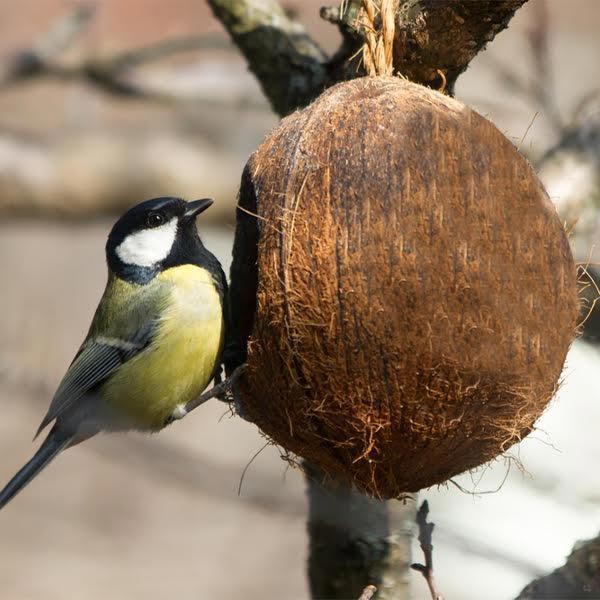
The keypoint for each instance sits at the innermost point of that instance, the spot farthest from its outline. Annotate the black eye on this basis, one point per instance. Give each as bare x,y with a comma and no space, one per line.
154,219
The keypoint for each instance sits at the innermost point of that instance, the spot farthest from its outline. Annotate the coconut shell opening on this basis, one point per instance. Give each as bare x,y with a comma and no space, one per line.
416,290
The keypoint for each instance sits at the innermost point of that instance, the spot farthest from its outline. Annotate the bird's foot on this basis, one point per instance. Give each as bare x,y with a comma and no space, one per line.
224,391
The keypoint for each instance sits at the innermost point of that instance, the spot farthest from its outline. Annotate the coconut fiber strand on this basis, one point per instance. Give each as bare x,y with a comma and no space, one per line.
416,290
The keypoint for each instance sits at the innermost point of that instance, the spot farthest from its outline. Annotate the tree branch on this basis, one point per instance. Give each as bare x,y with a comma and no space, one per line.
56,40
425,540
289,65
577,579
354,541
110,74
445,35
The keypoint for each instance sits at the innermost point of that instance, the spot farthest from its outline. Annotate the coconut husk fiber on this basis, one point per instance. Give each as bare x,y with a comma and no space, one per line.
416,291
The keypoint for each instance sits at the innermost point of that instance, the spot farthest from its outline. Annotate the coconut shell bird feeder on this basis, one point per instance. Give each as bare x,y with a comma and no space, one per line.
416,294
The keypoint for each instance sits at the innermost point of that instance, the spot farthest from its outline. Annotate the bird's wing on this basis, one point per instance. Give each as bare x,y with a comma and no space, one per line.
97,358
124,324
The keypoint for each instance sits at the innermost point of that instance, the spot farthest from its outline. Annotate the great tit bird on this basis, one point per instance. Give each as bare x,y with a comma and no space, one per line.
156,338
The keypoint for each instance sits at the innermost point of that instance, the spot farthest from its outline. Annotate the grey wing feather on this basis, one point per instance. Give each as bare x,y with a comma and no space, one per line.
95,361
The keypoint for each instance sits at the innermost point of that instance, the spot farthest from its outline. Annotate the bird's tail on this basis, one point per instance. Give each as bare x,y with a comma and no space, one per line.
50,448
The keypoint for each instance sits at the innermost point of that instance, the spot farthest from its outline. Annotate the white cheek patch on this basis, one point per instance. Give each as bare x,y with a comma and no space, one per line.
147,247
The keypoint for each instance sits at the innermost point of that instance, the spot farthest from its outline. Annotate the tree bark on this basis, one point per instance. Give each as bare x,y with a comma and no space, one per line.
354,541
289,65
437,39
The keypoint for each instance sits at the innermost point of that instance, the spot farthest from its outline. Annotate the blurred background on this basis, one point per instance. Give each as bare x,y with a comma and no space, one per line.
144,98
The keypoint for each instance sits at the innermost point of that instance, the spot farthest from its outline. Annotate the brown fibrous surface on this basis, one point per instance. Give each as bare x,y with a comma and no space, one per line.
416,291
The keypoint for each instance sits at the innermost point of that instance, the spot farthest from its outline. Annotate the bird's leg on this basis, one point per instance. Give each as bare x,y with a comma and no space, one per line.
217,378
222,390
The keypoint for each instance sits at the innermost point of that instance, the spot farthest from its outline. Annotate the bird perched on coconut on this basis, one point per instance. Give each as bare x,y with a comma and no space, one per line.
156,338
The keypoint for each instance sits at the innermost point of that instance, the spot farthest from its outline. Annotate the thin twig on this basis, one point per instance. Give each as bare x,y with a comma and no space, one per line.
164,48
110,74
64,32
425,540
368,592
59,37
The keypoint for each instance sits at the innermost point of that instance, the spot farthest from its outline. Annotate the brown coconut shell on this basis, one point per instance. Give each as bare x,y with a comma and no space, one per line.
416,290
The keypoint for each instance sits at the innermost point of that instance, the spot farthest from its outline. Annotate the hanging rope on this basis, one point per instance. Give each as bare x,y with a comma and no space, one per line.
378,56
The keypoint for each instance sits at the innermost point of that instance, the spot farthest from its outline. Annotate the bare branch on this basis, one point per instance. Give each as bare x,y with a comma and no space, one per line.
164,48
579,577
110,74
289,65
445,35
368,592
425,540
64,32
56,40
113,74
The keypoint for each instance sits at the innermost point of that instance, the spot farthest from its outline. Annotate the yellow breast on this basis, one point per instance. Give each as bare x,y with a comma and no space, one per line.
180,361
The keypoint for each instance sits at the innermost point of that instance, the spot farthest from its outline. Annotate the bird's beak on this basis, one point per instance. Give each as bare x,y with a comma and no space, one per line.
194,208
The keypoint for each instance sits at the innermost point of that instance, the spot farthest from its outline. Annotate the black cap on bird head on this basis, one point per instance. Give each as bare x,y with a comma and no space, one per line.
155,235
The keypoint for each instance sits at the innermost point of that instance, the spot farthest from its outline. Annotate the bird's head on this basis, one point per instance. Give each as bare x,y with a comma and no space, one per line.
154,235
